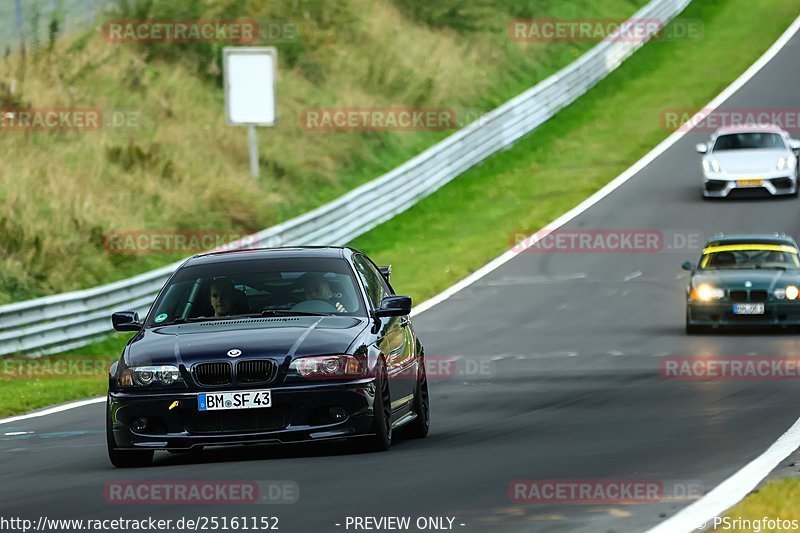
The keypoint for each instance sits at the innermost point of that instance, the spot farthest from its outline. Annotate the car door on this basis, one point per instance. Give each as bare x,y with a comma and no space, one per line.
395,339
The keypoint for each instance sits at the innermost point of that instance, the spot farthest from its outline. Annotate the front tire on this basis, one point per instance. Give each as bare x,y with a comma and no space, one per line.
381,440
124,458
419,427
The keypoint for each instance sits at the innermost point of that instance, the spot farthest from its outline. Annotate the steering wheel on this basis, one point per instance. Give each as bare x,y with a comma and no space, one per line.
314,306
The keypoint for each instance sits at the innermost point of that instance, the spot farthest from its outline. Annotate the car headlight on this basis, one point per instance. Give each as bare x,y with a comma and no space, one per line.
711,165
706,293
328,367
791,292
143,376
787,162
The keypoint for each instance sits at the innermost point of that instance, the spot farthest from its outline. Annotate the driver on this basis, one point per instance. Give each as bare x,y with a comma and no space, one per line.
316,288
226,299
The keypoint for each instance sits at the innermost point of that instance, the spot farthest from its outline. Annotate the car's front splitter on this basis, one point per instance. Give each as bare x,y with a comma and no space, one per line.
721,314
716,186
305,413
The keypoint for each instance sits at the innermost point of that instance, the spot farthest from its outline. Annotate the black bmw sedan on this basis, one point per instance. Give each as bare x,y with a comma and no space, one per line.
269,345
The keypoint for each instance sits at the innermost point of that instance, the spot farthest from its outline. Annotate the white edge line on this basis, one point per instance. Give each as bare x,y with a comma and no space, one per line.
611,186
730,491
53,410
736,487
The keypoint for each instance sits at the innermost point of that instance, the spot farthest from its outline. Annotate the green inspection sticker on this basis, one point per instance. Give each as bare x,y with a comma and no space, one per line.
162,317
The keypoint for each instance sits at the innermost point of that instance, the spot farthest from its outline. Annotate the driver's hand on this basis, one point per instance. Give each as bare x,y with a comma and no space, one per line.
340,308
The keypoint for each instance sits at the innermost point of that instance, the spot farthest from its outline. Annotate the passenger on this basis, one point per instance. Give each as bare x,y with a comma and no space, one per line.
315,287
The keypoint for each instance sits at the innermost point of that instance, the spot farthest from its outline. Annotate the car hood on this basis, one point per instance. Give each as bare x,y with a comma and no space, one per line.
757,278
259,337
749,160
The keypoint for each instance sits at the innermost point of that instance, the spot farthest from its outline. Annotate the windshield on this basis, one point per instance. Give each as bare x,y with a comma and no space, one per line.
256,287
769,257
749,141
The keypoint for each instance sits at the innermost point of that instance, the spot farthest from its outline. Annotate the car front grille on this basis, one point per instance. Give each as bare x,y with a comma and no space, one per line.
758,296
212,374
255,371
715,185
237,420
781,183
739,296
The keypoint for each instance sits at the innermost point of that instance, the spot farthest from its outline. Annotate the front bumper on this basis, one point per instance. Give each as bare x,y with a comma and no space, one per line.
720,185
720,313
298,414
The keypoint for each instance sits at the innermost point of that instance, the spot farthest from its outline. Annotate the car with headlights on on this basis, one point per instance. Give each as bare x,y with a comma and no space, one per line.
267,346
748,158
744,280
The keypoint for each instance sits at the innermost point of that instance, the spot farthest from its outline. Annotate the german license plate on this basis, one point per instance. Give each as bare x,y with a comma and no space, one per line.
748,309
750,182
216,401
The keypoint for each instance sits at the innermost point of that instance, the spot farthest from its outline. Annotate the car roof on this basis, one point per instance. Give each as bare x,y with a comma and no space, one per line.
759,238
750,128
289,252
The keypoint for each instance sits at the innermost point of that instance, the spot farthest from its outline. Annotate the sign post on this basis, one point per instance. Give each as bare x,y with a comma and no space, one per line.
250,78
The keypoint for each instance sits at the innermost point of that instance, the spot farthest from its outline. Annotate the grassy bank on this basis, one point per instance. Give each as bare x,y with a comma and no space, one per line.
583,147
775,500
172,163
433,245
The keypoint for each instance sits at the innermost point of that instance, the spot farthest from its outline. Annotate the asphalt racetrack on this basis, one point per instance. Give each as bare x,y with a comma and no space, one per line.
571,389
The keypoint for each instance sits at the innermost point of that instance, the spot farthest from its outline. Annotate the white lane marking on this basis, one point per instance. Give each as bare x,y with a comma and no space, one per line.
733,489
632,275
614,184
16,433
53,410
537,280
736,487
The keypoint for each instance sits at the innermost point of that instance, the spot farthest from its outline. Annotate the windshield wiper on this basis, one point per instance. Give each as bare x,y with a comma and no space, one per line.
266,312
184,321
280,312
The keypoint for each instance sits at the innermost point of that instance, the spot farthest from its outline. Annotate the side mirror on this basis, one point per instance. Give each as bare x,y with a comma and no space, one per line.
394,306
701,148
794,144
126,321
386,272
687,265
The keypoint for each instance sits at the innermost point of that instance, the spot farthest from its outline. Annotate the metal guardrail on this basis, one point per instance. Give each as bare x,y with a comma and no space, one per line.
28,20
64,321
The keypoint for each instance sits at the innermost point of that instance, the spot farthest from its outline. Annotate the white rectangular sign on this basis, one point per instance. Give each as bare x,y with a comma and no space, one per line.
250,75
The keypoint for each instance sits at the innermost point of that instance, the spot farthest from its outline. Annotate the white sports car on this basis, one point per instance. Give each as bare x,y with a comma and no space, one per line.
760,157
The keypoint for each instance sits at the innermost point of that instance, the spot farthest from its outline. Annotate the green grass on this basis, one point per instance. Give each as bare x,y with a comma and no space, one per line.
27,384
776,499
586,145
433,244
183,168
